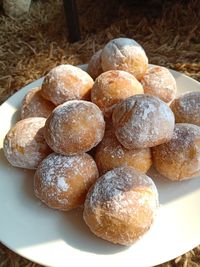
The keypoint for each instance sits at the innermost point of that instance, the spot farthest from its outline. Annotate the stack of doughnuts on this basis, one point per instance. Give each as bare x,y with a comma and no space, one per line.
92,136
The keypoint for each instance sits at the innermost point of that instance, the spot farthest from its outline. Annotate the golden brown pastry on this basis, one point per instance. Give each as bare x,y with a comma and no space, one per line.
110,154
120,207
186,108
24,145
124,54
94,65
142,121
62,182
158,81
179,158
74,127
113,86
34,105
66,82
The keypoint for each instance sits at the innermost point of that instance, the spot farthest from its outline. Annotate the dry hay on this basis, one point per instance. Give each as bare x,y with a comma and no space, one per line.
10,259
31,45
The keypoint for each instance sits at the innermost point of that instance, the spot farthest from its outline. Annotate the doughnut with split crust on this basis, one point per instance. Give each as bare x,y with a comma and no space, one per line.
62,182
124,54
94,65
158,81
74,127
186,108
24,145
179,159
142,121
113,86
120,207
34,105
66,82
110,154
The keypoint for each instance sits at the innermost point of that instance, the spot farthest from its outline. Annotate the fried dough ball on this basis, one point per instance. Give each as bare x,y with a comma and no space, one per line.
74,127
24,145
158,81
94,65
142,121
179,158
61,182
110,154
186,108
120,207
34,105
124,54
113,86
66,82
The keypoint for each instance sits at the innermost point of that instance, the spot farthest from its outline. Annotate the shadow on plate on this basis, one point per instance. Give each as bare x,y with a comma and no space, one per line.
28,186
78,235
68,226
171,190
3,160
15,117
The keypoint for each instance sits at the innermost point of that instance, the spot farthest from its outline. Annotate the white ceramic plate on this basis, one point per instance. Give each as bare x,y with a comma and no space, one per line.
56,238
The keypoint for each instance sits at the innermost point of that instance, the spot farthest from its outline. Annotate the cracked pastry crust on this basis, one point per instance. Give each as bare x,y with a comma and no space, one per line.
121,206
124,54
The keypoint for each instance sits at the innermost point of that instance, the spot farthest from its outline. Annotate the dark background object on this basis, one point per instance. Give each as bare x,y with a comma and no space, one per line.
72,20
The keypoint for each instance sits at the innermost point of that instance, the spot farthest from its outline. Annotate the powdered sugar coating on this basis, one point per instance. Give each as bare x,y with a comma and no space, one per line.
179,158
143,121
186,108
62,182
94,65
74,127
110,154
121,205
124,54
24,144
158,81
34,105
66,82
113,86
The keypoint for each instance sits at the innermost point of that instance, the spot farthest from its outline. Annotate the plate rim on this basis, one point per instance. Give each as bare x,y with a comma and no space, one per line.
29,86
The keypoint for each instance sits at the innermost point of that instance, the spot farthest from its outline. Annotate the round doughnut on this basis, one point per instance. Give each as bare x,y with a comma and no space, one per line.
186,108
110,154
143,121
94,65
158,81
120,207
66,82
24,145
113,86
124,54
61,182
74,127
34,105
179,158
